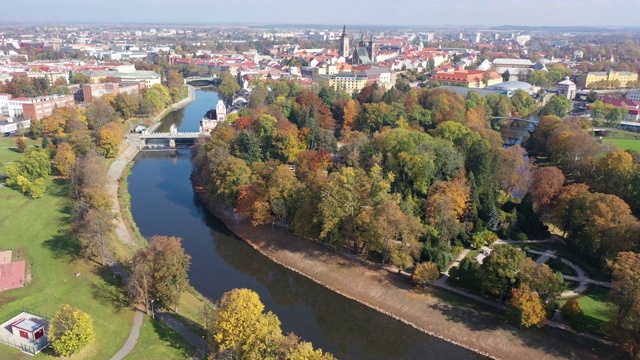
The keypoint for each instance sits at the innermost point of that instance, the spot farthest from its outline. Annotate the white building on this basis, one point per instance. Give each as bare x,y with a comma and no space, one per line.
567,88
213,118
634,95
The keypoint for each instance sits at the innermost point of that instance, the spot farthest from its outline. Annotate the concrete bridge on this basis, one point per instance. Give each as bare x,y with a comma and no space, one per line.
171,137
202,80
514,118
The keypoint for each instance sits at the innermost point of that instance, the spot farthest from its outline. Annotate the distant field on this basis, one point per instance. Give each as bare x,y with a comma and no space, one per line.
623,144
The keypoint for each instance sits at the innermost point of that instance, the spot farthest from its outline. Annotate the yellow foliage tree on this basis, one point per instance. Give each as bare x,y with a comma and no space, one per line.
109,139
64,159
350,114
528,307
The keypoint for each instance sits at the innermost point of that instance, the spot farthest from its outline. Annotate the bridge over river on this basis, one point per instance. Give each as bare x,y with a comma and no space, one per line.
170,138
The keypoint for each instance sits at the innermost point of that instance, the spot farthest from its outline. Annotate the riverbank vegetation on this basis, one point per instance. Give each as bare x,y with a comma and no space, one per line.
65,230
409,176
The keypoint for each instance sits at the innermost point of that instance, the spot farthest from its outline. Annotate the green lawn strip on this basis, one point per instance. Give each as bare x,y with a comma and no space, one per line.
158,341
623,144
40,228
472,254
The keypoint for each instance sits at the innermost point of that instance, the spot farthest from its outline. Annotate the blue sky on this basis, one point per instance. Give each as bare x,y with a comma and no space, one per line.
354,12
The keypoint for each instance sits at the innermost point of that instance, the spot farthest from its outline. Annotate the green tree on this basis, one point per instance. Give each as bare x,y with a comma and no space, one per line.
482,238
500,270
540,279
228,86
572,312
247,147
558,105
227,179
70,330
29,172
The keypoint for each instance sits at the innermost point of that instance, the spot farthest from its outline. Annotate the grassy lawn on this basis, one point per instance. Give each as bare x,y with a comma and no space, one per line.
623,144
40,229
157,341
472,254
9,152
597,309
624,140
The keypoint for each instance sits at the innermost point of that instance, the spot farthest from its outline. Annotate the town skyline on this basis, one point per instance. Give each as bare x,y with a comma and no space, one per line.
331,12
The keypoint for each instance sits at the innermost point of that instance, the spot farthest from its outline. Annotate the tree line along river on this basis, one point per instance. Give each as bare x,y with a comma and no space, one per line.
163,202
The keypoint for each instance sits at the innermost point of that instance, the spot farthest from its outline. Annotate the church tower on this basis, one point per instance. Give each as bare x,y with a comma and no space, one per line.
344,43
372,50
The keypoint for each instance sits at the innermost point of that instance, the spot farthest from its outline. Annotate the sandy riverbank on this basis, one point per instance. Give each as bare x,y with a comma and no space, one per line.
390,293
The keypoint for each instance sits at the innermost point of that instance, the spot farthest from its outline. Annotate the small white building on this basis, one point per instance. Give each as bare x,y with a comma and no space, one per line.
567,88
213,118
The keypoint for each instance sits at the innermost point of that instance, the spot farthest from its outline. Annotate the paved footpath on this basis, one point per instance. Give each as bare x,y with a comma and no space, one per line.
132,339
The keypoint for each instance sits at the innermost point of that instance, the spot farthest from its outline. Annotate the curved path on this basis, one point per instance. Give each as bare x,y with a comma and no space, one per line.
132,339
582,277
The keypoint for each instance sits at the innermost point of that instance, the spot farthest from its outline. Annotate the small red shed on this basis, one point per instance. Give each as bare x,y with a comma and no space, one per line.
28,329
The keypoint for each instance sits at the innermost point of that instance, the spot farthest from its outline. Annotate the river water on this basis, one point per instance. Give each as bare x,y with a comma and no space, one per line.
163,203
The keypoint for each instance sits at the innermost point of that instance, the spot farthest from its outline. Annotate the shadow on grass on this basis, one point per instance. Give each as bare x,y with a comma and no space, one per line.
63,245
196,328
111,291
174,340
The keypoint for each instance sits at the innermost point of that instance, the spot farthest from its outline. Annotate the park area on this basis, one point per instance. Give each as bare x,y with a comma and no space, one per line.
39,230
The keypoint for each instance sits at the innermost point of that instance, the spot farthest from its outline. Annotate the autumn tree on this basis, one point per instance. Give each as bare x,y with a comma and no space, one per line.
92,232
21,144
546,183
242,330
625,293
109,139
572,312
425,273
70,330
350,114
100,113
527,307
64,159
613,173
515,171
169,266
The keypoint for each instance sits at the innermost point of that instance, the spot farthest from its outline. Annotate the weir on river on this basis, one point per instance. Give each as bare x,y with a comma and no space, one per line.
163,202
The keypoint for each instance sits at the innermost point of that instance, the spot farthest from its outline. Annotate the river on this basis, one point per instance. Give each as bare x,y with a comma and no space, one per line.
163,203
